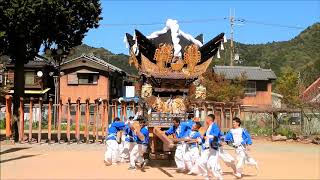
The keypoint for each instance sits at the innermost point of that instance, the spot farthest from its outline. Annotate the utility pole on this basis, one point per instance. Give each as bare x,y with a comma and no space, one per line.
231,18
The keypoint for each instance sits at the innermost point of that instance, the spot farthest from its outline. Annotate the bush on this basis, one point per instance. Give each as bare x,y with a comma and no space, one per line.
254,128
2,124
44,125
266,131
285,132
73,127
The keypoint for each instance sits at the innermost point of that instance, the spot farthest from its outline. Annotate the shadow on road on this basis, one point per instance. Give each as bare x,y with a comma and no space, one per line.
165,172
13,150
243,175
16,158
162,163
54,137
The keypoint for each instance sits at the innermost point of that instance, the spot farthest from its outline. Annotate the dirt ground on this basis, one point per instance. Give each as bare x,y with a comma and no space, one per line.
277,160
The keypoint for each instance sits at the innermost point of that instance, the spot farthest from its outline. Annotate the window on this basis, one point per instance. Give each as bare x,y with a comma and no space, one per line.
87,78
262,85
29,78
72,79
250,89
113,83
82,78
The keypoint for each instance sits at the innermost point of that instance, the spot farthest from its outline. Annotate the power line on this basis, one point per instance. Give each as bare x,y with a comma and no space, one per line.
270,24
205,21
161,23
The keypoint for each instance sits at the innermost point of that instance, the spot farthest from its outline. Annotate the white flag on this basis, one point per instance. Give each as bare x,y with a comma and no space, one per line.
134,35
197,113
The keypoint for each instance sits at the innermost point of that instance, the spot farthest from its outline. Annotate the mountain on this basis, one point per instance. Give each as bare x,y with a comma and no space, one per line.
302,53
119,60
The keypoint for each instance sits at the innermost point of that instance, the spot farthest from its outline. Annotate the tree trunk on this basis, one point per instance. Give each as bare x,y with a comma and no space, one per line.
19,83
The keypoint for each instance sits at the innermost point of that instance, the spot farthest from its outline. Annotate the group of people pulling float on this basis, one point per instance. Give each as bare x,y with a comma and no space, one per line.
195,154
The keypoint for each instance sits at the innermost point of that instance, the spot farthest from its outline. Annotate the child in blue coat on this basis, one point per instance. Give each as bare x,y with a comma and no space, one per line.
111,155
127,140
192,151
180,131
141,138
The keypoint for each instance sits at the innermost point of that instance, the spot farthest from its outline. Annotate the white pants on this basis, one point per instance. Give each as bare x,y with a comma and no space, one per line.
227,159
196,169
224,155
179,156
127,148
112,152
121,145
136,154
191,156
209,161
243,158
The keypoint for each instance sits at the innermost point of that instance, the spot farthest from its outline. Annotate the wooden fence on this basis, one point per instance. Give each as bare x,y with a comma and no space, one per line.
72,122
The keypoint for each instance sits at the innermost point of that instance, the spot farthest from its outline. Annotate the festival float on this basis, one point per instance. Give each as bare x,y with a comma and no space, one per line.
170,63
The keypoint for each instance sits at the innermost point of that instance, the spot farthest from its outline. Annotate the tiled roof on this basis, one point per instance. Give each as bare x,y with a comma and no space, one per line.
36,62
251,73
312,93
96,60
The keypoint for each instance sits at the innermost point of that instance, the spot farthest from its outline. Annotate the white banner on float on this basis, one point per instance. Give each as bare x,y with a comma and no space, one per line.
129,91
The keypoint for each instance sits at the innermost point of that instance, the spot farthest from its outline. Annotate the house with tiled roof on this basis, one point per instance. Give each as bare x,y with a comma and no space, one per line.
312,93
38,78
88,76
258,89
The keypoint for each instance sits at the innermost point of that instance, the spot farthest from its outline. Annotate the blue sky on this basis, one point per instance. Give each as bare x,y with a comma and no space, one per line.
299,14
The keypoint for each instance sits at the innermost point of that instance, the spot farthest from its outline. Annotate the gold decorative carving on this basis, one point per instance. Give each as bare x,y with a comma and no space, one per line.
192,56
151,69
186,72
201,92
163,55
147,66
133,59
178,65
176,105
200,69
159,105
146,91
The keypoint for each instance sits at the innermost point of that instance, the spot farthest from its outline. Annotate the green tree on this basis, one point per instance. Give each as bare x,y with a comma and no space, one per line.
3,91
221,89
301,53
26,25
287,85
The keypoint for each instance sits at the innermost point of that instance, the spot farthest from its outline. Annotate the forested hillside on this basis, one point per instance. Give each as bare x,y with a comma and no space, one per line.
302,53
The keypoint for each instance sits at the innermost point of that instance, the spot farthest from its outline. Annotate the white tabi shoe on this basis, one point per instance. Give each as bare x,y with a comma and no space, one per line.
238,175
256,166
190,173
